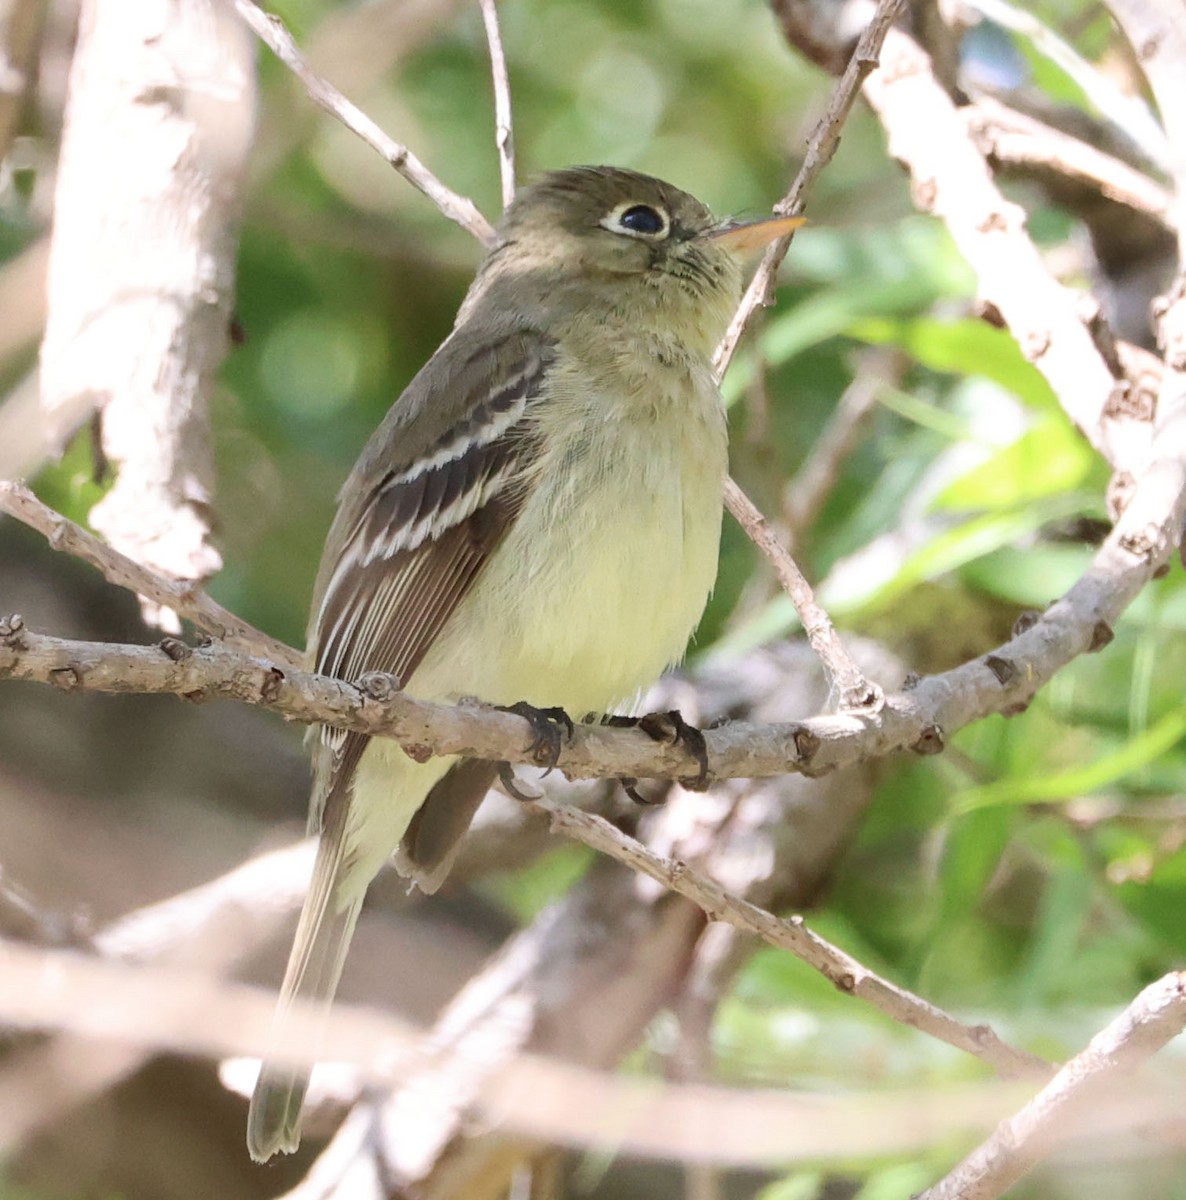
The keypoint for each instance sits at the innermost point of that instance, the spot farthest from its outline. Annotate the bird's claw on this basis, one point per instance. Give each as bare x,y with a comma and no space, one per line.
629,786
506,775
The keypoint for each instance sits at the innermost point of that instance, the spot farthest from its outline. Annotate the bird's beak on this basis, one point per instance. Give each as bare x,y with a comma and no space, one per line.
753,235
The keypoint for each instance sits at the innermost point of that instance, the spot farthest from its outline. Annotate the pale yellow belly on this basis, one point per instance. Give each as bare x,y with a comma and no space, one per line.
594,592
597,587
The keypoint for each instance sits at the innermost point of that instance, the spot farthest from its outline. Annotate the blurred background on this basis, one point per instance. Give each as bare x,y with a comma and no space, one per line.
1032,876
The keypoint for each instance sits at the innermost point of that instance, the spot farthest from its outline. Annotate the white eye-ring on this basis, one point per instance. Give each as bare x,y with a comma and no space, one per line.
638,220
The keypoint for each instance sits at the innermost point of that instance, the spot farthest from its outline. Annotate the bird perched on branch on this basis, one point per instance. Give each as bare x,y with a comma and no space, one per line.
536,520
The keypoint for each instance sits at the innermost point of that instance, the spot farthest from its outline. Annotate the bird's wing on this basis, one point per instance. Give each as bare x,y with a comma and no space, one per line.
410,544
410,538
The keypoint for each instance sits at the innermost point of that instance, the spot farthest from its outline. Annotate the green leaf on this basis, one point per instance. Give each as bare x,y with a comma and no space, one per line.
1048,458
965,348
1032,788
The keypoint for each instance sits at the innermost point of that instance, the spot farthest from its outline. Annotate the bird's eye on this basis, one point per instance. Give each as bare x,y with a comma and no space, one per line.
638,220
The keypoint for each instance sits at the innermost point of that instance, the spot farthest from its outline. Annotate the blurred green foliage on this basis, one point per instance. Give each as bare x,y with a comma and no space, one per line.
1035,875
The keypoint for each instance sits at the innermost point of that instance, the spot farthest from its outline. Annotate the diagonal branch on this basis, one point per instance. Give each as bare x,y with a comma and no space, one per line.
853,690
271,31
820,148
181,597
839,968
952,180
1156,1016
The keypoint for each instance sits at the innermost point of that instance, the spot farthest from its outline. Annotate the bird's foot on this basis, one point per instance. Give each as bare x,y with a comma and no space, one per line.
551,727
671,729
546,725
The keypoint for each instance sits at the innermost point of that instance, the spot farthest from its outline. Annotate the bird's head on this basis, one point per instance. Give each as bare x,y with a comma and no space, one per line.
625,246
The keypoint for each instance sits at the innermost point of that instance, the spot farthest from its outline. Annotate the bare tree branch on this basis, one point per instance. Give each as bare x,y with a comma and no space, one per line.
951,180
158,124
820,149
1156,1016
271,31
504,131
182,598
1013,138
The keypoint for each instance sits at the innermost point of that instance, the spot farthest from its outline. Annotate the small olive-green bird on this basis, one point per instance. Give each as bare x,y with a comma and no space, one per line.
537,519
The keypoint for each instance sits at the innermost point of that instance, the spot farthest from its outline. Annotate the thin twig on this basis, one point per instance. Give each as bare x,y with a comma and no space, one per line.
272,32
853,690
820,149
504,130
183,598
841,969
1150,1021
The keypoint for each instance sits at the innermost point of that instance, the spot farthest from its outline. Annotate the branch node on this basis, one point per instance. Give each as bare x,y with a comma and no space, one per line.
1120,489
269,690
863,697
806,744
11,629
378,685
1026,621
66,679
930,741
1004,669
1101,635
1142,543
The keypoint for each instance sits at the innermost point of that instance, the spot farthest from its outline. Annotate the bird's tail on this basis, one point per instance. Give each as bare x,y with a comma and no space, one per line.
314,968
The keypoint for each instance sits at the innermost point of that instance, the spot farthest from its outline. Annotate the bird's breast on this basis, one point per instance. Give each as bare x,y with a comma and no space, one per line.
605,574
